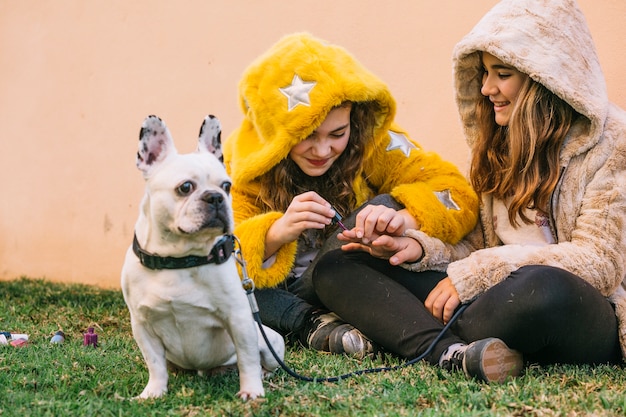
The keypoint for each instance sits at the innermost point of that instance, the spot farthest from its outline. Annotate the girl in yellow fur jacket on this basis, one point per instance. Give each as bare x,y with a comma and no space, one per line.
318,141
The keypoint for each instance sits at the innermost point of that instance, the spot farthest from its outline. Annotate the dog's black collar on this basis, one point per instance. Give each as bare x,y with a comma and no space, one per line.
219,254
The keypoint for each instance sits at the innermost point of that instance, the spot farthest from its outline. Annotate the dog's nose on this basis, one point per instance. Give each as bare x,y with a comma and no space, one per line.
212,197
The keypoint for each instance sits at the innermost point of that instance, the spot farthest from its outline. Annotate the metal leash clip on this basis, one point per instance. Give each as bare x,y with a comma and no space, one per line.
246,282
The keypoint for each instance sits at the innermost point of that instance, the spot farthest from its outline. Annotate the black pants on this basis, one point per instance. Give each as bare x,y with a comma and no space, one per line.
548,314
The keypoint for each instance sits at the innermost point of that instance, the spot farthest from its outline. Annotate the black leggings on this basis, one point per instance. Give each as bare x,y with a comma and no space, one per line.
548,314
287,308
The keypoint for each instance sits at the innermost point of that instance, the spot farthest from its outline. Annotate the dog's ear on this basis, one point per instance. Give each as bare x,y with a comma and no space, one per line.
210,138
155,144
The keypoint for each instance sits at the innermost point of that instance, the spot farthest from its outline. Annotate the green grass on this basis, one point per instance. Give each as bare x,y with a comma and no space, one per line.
42,379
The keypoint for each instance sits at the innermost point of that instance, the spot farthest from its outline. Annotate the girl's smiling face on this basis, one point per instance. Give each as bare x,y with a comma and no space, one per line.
317,153
501,83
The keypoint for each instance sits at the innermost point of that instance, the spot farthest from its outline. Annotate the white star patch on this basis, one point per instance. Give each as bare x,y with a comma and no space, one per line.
298,92
445,198
399,141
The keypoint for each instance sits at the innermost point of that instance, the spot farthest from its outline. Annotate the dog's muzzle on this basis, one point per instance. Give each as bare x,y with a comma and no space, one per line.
218,214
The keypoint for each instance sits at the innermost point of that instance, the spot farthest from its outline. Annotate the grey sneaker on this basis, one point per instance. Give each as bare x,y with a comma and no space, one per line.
489,360
349,340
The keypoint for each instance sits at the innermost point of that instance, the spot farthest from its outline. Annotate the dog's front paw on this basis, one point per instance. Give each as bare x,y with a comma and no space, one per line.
250,394
152,391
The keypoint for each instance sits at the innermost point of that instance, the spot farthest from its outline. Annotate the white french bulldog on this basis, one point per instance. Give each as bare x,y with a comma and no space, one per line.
187,305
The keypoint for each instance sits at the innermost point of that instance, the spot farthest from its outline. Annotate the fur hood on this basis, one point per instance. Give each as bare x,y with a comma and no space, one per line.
282,107
547,39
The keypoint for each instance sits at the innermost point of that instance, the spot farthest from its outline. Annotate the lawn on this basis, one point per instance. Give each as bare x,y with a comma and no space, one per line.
69,379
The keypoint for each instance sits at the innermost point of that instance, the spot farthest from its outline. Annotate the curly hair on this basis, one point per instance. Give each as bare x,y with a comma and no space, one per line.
521,161
286,180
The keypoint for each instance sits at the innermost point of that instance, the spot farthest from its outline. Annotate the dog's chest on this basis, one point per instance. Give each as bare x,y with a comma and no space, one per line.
189,311
206,294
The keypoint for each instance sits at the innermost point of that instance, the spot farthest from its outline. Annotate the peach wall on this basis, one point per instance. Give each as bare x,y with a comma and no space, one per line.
77,78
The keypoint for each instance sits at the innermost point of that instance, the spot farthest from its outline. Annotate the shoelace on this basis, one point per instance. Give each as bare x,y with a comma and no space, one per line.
454,361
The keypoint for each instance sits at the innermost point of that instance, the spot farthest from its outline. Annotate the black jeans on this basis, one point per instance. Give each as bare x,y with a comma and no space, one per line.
548,314
287,307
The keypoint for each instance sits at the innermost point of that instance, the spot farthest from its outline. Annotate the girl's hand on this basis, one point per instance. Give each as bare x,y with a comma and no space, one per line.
397,249
443,300
306,211
375,220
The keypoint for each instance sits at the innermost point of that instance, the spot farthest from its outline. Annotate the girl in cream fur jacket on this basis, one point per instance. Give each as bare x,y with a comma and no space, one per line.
542,273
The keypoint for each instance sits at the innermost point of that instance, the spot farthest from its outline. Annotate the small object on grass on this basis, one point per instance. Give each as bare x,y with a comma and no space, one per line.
90,338
59,337
19,342
7,338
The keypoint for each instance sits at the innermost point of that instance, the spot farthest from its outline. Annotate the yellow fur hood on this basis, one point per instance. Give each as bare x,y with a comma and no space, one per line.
283,107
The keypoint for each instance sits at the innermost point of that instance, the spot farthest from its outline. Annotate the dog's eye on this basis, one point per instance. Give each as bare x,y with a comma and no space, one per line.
226,186
185,188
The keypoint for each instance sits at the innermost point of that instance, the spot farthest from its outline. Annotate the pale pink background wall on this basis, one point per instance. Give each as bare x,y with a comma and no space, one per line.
77,78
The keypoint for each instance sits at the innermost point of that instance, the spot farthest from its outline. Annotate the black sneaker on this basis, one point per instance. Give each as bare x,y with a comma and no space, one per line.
489,360
318,330
349,340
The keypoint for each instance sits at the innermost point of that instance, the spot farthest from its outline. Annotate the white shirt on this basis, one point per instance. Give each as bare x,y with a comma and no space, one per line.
537,233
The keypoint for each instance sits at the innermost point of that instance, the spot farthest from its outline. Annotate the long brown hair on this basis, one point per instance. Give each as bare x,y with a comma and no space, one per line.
285,180
521,161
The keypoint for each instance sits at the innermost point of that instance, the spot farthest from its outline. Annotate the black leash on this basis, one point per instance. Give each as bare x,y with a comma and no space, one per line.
248,286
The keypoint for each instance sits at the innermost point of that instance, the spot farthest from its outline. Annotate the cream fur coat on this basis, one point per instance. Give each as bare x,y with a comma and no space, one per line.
550,41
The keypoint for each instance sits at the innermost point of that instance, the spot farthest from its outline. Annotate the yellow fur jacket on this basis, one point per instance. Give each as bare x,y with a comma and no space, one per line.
285,95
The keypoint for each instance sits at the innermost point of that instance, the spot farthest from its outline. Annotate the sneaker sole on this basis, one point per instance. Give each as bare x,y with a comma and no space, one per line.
497,362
